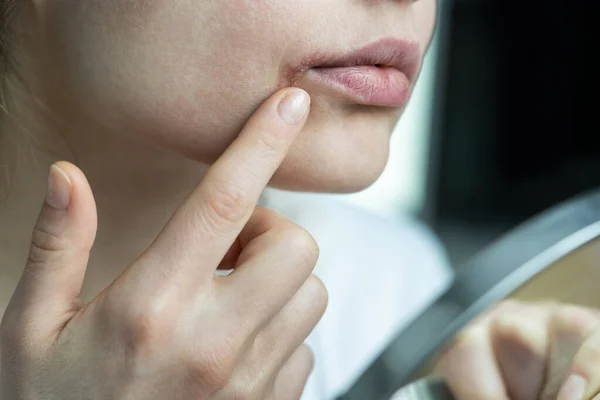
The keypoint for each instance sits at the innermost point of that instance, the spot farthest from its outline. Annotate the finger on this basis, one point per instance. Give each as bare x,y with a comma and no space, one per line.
469,367
271,268
569,328
195,240
486,317
268,350
290,328
290,383
584,380
520,343
61,241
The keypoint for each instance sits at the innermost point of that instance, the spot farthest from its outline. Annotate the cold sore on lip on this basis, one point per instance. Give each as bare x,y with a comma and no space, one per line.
379,74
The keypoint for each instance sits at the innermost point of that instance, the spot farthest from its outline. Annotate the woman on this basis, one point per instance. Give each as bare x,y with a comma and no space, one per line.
139,94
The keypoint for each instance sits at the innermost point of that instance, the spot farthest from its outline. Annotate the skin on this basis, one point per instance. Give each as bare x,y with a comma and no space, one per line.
213,75
148,92
145,335
152,91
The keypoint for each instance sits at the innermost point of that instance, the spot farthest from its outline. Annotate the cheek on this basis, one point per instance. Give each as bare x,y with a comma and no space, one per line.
425,14
184,73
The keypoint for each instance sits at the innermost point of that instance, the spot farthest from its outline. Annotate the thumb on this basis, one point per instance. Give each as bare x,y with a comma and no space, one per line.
61,241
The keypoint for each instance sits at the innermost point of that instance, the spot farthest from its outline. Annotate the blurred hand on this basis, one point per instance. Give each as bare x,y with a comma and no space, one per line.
521,351
168,328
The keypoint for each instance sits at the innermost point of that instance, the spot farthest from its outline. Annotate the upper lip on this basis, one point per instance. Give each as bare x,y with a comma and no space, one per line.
401,54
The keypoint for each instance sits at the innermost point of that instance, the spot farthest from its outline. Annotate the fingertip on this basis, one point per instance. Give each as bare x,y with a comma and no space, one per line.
69,190
72,172
293,106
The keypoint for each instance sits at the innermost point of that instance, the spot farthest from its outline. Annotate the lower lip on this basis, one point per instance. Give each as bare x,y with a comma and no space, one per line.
367,84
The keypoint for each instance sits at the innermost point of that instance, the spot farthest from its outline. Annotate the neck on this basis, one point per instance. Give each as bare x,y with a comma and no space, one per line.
137,187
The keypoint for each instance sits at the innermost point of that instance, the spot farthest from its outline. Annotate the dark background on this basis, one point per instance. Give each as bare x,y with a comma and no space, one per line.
516,115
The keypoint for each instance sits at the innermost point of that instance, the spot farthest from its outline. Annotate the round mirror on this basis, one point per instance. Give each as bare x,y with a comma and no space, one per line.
532,262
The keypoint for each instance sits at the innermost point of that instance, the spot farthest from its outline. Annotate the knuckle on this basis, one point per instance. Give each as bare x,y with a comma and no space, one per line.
301,244
269,216
471,338
141,328
213,368
510,306
515,331
45,247
263,220
243,389
302,361
149,328
226,204
507,325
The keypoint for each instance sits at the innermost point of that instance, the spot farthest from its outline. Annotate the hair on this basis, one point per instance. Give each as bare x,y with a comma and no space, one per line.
15,98
8,13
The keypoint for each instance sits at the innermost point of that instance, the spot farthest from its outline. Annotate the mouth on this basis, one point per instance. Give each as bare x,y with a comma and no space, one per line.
380,74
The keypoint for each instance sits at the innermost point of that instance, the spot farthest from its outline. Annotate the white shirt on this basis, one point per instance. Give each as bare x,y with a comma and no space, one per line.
380,274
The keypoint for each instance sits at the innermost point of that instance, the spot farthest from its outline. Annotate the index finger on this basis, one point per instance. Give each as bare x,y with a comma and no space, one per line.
200,233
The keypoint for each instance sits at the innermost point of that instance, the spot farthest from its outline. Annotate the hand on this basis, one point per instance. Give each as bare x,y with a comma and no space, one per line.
168,327
522,351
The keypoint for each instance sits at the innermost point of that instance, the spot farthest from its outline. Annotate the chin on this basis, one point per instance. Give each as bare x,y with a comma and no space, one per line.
325,181
340,150
345,161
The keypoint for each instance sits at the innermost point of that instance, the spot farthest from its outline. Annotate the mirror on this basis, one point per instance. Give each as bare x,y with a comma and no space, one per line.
580,268
532,262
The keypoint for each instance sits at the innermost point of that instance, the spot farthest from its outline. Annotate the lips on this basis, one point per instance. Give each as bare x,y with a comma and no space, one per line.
379,74
368,85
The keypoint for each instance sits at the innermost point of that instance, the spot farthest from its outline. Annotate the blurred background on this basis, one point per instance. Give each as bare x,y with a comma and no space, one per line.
502,124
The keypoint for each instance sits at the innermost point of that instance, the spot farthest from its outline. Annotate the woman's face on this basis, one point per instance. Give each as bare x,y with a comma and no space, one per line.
187,74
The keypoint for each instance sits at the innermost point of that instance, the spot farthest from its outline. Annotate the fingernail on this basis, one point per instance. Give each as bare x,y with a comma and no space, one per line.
573,389
58,194
294,106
